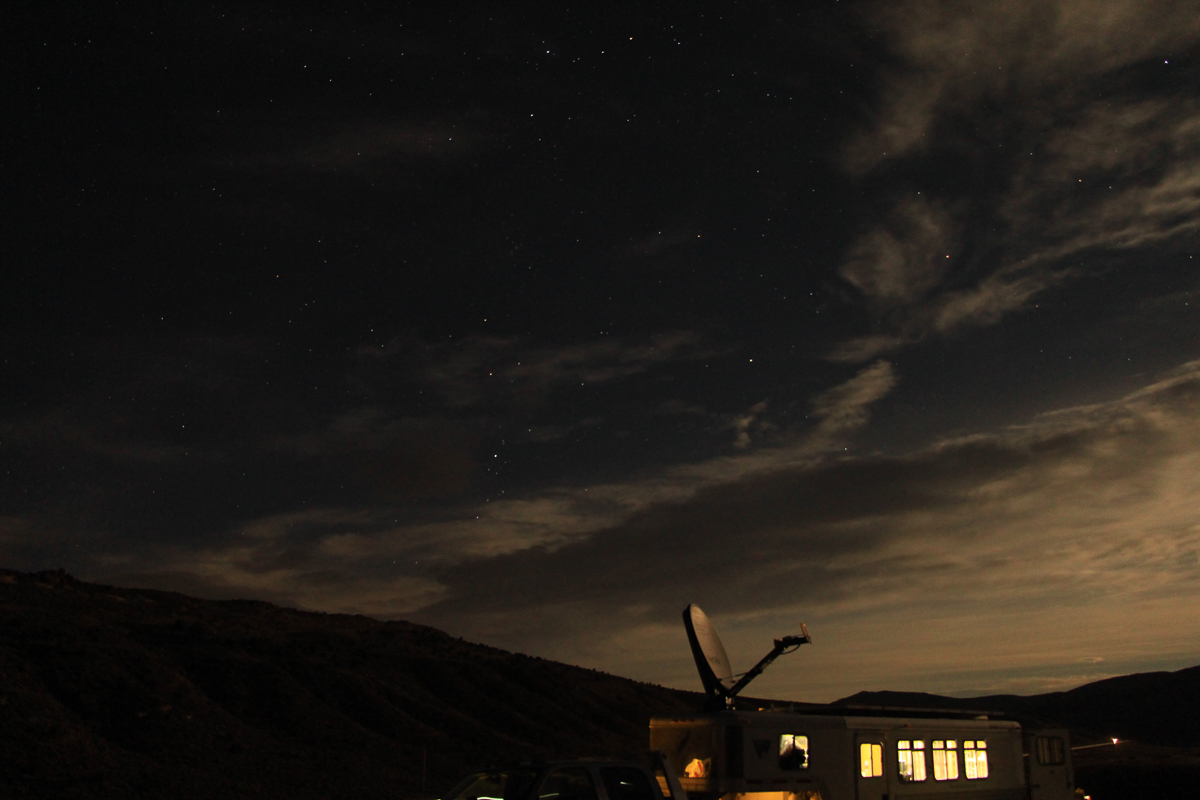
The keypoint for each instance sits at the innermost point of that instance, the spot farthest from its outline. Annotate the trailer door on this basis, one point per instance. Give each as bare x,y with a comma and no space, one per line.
1048,765
871,778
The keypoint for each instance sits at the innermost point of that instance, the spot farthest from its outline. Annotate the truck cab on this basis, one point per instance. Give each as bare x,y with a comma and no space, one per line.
581,779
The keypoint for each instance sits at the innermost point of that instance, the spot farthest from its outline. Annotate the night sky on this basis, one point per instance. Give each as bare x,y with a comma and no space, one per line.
538,321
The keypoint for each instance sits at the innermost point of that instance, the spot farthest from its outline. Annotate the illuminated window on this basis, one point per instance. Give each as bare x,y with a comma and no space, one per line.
945,760
911,759
793,752
870,760
975,757
690,746
1050,750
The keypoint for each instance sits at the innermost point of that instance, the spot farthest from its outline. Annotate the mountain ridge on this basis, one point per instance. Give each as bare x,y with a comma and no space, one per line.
140,693
1152,707
143,691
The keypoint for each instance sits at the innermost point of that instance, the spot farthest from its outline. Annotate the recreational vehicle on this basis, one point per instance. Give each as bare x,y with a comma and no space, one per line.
764,755
821,752
847,753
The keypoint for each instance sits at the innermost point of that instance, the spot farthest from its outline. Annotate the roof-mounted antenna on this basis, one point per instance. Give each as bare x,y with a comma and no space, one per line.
713,664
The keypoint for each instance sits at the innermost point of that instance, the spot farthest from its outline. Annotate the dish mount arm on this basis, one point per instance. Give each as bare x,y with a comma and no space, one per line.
713,664
785,645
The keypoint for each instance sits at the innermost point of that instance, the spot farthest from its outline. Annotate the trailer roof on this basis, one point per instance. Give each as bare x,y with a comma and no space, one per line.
786,719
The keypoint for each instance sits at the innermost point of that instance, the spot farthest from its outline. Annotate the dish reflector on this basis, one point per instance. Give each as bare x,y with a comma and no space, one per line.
711,661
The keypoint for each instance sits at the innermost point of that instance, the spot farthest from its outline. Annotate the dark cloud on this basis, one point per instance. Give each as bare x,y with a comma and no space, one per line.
830,531
785,526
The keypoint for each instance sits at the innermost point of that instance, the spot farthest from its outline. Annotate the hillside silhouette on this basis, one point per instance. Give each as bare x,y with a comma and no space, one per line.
132,693
1156,708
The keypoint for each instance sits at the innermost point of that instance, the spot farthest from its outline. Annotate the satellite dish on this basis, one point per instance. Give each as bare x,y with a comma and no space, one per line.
711,661
713,665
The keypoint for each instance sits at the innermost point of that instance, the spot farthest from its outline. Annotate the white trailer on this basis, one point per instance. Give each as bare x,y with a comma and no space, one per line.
751,755
843,753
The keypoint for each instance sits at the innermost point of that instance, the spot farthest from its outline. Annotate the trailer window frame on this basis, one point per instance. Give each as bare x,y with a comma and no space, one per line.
910,760
1051,751
945,759
870,760
975,759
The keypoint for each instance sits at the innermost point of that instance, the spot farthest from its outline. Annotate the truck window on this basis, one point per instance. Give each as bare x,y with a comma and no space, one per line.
627,783
572,783
793,751
1050,750
910,758
499,785
975,758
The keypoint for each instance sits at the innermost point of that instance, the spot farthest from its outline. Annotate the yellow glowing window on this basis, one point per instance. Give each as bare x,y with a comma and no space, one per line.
975,758
910,757
945,760
793,751
870,760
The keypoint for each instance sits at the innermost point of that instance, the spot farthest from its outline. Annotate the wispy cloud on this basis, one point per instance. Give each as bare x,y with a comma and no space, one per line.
952,55
1077,511
514,372
276,556
846,407
1082,161
899,263
1124,174
743,423
1036,531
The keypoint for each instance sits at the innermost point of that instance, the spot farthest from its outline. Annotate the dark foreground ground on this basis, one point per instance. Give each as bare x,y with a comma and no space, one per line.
123,693
1135,771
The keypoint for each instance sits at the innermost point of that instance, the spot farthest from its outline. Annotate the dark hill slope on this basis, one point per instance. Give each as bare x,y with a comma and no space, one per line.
108,692
1159,708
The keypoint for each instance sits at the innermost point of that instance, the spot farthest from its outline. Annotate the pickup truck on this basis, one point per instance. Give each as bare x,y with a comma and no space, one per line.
581,779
